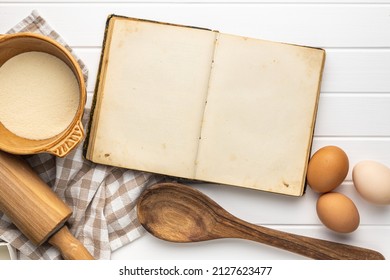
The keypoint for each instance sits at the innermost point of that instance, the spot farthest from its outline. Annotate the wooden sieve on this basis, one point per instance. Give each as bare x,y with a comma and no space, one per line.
62,143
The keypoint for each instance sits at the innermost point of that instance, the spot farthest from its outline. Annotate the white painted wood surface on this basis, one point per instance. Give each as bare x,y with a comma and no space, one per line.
354,110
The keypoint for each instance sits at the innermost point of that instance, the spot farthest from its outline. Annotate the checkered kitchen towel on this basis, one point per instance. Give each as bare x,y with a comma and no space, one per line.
102,198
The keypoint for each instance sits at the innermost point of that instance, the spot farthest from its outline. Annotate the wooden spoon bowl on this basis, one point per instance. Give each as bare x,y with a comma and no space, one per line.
178,213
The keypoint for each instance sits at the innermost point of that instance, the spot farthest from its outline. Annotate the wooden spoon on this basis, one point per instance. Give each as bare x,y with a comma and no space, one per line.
178,213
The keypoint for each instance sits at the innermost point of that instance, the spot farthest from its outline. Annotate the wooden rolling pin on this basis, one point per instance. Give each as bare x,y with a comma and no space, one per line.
35,209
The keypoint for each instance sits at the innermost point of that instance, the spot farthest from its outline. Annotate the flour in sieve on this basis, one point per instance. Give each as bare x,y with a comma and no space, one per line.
39,95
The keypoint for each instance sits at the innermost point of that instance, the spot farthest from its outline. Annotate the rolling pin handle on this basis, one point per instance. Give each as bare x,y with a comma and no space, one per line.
69,246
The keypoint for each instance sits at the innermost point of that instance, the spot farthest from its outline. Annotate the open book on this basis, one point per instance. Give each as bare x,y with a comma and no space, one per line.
199,104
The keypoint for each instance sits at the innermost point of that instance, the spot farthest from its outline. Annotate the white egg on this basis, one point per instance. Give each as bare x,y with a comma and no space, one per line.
372,181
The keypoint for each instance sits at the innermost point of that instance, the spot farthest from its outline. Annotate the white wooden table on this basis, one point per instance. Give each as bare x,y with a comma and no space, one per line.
354,110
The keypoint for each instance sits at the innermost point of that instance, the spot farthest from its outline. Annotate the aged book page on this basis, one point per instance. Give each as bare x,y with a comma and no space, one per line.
199,104
260,113
151,96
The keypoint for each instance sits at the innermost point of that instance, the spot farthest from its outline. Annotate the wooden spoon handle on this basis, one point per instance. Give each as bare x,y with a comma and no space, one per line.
69,246
303,245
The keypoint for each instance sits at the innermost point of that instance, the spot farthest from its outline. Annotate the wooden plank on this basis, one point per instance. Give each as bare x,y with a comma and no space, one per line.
367,25
356,70
342,115
350,70
353,115
288,210
216,1
233,249
358,149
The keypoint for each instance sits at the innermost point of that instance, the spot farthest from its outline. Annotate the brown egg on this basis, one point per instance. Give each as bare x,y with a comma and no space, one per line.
327,169
337,212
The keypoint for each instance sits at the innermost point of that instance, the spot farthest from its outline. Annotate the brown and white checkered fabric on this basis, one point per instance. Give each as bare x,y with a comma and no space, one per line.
102,198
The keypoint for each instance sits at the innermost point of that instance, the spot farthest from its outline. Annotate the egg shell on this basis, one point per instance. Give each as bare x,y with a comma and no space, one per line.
338,212
327,169
372,181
